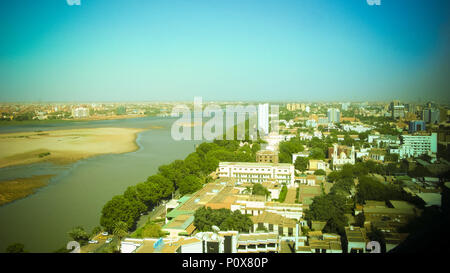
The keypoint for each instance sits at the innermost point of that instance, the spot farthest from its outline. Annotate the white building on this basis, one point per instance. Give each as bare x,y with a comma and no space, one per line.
80,112
263,118
301,154
340,157
257,172
357,128
333,115
416,145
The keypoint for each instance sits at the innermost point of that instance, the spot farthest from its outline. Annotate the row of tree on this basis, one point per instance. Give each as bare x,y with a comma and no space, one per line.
186,176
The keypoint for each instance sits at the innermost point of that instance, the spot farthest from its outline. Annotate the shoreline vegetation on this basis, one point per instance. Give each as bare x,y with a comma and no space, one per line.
19,188
65,146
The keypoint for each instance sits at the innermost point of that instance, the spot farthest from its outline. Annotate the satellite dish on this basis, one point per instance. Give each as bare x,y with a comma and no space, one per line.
215,228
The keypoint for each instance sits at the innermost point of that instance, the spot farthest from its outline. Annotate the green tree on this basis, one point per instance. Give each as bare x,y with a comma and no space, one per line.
205,218
334,176
301,163
16,248
152,231
330,208
259,189
120,230
118,209
283,194
96,230
316,153
360,219
190,184
320,172
79,234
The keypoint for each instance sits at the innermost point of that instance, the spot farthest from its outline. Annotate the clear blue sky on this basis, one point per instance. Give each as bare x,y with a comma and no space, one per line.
270,50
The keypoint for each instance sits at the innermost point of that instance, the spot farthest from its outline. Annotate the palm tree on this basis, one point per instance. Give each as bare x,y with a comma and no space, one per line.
120,231
248,190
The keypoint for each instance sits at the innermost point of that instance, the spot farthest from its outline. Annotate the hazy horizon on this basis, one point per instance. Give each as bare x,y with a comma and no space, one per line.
265,50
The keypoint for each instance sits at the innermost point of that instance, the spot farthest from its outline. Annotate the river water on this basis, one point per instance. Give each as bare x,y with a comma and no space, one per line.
76,194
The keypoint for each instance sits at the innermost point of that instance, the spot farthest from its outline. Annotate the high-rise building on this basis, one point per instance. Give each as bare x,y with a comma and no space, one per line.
263,118
431,115
334,115
416,125
398,111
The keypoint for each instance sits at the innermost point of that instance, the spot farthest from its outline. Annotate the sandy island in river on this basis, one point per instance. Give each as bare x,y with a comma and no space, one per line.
65,146
21,187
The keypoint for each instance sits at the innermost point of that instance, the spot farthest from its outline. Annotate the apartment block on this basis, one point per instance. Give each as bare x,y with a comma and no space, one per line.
257,172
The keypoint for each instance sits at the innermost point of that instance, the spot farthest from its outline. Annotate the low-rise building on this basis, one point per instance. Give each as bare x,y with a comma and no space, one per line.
266,156
357,239
257,172
272,222
315,164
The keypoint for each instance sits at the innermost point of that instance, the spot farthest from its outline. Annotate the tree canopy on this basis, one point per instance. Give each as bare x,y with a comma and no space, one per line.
205,218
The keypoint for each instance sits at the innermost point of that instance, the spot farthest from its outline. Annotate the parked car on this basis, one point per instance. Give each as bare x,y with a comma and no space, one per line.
93,242
108,240
105,233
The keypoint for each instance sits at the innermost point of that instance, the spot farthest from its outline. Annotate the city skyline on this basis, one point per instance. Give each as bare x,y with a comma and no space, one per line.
226,51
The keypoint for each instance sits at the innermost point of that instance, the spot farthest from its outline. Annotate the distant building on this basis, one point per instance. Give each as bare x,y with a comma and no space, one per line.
80,112
431,115
315,165
333,115
416,125
263,118
398,111
345,106
266,156
356,128
340,155
293,106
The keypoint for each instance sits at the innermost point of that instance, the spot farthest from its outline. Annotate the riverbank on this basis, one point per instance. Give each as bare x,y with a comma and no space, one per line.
66,121
12,190
65,146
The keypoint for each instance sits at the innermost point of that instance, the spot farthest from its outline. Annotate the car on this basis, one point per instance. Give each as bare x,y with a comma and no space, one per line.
105,233
93,242
108,240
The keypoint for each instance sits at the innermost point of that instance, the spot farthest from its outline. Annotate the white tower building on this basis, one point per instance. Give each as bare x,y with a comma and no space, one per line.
263,118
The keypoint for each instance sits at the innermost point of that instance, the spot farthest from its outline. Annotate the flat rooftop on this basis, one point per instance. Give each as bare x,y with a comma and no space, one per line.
256,164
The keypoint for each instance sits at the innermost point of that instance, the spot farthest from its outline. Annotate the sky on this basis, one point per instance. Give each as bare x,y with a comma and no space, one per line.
242,50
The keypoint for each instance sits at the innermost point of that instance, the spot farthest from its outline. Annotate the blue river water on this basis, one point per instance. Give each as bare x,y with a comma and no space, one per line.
77,192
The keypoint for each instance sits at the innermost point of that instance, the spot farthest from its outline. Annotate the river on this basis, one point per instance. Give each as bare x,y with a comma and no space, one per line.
78,191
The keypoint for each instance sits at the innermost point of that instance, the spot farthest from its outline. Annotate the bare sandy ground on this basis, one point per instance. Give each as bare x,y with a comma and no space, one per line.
64,146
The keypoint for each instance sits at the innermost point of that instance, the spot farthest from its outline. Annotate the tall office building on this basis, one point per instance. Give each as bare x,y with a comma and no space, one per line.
398,111
263,118
334,115
431,115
